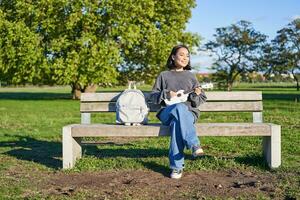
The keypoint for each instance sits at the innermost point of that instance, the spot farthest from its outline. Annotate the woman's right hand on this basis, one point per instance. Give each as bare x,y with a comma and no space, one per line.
173,94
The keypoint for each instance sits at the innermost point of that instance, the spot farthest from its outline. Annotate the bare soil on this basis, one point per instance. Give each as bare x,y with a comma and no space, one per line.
147,184
153,185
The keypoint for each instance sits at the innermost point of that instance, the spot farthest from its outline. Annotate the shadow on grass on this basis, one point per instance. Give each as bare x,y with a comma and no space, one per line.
280,87
34,95
162,169
47,153
127,153
255,160
294,97
131,153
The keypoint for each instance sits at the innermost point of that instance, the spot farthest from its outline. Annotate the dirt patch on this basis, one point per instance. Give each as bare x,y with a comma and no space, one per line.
152,185
147,184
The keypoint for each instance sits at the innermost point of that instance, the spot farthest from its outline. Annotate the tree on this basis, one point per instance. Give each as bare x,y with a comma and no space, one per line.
237,48
21,58
286,48
153,28
77,43
86,43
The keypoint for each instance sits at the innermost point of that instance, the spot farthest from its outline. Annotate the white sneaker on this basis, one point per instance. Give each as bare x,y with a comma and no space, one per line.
197,151
176,173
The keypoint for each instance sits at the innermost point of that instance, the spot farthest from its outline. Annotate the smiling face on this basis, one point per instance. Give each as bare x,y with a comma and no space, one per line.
181,58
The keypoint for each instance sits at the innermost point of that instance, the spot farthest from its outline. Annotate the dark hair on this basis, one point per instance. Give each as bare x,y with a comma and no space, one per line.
170,62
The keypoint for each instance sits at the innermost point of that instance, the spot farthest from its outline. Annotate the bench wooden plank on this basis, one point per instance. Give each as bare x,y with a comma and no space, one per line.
211,96
207,107
151,130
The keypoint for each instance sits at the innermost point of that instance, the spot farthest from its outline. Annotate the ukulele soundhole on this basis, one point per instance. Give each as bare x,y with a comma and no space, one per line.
179,95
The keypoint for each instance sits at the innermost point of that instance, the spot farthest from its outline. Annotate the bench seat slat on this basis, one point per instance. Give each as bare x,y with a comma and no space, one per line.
207,107
211,96
203,129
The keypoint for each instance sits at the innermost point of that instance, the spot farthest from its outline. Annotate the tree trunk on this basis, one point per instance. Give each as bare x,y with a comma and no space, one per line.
91,88
77,94
230,80
297,80
76,90
229,86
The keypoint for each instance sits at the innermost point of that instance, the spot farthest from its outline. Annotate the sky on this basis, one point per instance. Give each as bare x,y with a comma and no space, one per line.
267,17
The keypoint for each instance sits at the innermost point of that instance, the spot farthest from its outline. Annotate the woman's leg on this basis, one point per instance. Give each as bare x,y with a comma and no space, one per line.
183,132
186,126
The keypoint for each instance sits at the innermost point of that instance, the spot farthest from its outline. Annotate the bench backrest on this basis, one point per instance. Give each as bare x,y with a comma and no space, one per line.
249,101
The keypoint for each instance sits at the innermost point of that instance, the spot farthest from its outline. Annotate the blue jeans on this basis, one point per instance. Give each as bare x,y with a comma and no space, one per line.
183,132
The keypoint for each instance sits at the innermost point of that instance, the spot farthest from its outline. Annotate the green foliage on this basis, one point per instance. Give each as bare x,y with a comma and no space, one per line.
89,42
237,48
21,59
153,34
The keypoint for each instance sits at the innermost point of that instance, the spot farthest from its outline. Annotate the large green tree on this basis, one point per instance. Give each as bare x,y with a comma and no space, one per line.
236,48
87,43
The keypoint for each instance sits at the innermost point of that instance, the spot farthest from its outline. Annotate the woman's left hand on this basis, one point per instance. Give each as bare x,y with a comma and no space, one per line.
198,90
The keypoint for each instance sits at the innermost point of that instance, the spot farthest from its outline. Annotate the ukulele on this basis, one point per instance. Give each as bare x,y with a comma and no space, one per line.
181,96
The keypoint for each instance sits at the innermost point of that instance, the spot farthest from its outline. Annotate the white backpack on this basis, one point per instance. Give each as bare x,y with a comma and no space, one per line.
131,107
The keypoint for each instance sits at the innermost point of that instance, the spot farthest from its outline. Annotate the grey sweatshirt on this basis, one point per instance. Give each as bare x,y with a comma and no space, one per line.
174,81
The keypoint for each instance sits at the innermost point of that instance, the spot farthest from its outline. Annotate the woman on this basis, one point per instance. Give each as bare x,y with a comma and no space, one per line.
180,117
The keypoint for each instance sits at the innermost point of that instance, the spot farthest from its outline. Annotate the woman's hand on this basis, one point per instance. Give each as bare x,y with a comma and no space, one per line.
172,94
198,90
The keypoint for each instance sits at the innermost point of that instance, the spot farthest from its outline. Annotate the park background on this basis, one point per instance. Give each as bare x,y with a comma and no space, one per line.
51,51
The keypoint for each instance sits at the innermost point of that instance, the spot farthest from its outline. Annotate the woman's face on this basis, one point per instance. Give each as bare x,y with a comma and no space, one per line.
181,58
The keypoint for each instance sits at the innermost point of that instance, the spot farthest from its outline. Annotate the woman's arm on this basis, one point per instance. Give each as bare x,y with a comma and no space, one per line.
158,93
198,97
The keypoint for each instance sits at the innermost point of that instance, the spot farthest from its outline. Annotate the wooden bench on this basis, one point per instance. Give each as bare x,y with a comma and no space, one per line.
217,102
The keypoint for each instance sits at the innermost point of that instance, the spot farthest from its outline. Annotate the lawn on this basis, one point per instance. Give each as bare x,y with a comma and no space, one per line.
31,120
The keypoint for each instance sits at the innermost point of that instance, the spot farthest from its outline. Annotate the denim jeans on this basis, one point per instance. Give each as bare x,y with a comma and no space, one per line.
183,132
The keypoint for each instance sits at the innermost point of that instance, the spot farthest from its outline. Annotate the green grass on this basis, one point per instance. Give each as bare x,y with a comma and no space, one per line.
31,120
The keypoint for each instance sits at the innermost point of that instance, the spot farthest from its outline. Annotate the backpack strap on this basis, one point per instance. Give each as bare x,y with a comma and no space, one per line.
131,85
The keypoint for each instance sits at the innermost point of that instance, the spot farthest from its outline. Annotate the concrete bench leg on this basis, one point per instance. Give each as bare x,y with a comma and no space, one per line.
71,148
272,147
85,118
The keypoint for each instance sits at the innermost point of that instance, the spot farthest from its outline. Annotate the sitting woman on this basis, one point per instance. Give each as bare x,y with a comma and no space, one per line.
180,117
